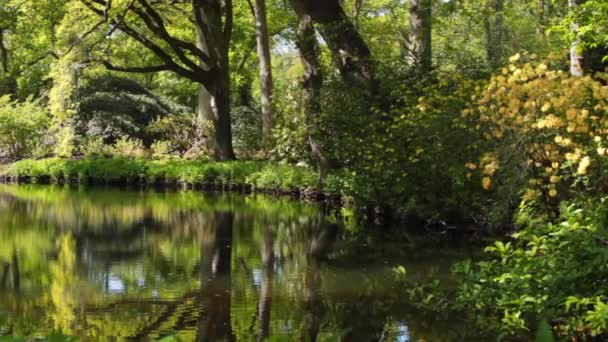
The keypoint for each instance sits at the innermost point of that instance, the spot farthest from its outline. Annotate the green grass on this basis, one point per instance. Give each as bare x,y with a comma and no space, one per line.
257,174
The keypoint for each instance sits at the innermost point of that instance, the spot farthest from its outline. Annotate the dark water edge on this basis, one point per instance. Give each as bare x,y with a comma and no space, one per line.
103,264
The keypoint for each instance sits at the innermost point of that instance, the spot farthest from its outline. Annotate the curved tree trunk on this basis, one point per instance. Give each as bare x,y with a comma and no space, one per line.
312,83
350,52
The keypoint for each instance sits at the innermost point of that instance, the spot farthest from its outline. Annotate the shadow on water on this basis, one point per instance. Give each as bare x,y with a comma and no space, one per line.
139,265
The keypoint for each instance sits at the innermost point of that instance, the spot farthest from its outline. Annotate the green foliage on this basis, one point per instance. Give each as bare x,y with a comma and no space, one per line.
179,131
65,142
23,128
260,175
246,132
549,271
129,148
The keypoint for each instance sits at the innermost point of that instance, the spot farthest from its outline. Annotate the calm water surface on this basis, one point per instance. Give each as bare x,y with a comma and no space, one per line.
143,265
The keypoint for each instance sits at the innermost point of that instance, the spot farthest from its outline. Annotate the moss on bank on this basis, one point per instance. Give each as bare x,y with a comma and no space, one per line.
246,175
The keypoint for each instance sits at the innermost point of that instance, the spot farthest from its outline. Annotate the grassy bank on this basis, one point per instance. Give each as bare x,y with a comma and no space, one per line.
241,175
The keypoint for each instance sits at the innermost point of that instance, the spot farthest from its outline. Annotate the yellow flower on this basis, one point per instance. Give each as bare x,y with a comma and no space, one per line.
555,165
546,107
553,193
486,183
597,138
583,166
554,179
514,58
601,151
470,166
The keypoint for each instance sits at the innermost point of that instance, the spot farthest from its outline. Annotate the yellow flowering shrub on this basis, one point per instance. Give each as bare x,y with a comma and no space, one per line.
549,128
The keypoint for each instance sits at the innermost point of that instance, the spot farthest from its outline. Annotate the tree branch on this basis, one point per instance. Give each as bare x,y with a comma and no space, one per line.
146,69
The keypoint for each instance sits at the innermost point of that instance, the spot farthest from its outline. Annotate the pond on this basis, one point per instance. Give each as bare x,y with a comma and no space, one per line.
109,264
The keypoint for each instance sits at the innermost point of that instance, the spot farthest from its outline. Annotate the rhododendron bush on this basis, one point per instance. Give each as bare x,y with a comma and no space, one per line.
545,132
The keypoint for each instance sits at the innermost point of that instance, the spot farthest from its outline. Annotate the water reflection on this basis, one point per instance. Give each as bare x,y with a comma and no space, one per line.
145,265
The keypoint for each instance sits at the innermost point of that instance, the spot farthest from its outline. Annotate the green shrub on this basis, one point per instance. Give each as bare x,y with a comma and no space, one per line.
129,148
23,128
254,173
550,271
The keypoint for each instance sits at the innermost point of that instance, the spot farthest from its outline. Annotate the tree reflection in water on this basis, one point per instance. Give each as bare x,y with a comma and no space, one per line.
145,265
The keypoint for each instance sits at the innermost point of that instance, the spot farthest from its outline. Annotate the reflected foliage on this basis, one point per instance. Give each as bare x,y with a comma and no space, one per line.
97,264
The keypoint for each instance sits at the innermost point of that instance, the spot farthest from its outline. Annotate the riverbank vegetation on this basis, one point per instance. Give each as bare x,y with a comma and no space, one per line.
492,114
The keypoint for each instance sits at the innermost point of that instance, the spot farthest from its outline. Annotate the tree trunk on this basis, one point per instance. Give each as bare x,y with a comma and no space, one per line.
495,32
223,129
16,272
576,56
266,85
217,44
312,83
204,109
5,271
350,52
3,53
419,38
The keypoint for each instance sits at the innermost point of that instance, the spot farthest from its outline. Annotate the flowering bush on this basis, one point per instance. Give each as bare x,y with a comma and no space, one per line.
545,132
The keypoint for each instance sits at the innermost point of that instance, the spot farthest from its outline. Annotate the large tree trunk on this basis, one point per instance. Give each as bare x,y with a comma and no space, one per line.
204,109
495,32
266,85
223,129
312,83
214,37
350,52
419,38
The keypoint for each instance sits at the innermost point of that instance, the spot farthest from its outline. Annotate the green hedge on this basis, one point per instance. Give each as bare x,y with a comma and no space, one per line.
260,175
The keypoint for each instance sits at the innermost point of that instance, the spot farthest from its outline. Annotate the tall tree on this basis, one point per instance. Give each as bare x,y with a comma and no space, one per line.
418,51
576,56
495,32
143,21
266,84
3,52
350,52
312,82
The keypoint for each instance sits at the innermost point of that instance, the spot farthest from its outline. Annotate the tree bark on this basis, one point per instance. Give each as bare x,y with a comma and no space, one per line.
350,52
266,84
419,53
312,83
576,56
216,39
16,271
3,53
495,32
223,129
